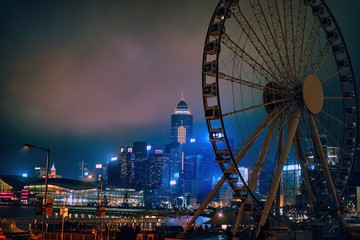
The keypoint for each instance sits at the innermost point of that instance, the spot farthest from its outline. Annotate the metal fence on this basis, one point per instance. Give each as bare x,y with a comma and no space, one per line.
70,236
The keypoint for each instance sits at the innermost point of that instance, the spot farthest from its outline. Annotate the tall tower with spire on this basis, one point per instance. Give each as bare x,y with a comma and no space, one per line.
53,171
181,123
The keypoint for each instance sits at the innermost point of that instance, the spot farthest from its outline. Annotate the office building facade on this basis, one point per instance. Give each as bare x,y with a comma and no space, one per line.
181,124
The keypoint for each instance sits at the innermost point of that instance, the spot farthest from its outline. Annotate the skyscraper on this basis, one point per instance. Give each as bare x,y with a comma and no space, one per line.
53,171
155,167
126,158
180,135
181,123
121,170
140,153
83,170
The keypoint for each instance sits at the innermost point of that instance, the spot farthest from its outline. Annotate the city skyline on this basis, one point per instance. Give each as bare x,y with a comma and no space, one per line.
68,81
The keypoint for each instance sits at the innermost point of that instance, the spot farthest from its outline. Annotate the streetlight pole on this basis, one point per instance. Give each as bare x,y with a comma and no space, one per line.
101,214
63,218
46,183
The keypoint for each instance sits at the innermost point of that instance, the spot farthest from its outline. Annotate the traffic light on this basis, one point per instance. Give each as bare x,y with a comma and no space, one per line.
39,206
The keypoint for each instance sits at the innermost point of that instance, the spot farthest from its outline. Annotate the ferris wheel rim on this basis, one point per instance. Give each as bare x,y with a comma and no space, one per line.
217,110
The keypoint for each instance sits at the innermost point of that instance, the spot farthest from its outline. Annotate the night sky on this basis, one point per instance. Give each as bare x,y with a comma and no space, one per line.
86,77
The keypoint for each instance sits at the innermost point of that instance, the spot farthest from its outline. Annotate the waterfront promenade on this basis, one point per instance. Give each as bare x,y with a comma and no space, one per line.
20,222
82,217
82,223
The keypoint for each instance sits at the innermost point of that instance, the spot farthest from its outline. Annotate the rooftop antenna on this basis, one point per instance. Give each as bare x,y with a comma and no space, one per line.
182,89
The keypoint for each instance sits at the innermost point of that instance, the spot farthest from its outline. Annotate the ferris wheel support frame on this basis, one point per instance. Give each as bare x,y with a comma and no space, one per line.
330,184
255,174
233,166
280,166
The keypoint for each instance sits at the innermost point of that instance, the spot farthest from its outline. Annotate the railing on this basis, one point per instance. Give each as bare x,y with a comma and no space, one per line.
69,236
30,220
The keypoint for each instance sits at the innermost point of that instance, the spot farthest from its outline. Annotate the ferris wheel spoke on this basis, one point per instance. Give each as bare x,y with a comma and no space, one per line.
244,82
334,143
271,44
286,38
335,119
327,132
323,53
289,40
257,44
247,58
328,98
308,49
324,165
299,38
254,107
334,73
304,170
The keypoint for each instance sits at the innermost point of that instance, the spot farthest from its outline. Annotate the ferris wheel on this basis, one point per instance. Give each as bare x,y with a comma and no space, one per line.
280,100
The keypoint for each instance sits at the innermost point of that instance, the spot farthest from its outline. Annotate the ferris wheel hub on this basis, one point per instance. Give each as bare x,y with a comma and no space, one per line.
312,94
273,95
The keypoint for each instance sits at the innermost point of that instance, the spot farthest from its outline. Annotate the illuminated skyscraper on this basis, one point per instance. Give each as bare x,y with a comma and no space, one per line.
155,167
83,170
181,123
53,171
140,153
121,170
40,172
180,134
126,158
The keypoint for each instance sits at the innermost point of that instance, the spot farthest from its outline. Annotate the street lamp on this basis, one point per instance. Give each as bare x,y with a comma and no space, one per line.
63,218
46,183
101,206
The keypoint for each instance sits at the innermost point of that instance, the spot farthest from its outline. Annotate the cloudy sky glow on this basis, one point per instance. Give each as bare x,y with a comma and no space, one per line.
86,77
84,68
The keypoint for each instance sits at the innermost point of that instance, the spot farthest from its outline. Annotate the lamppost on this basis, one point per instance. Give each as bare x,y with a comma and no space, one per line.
46,183
63,218
101,208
